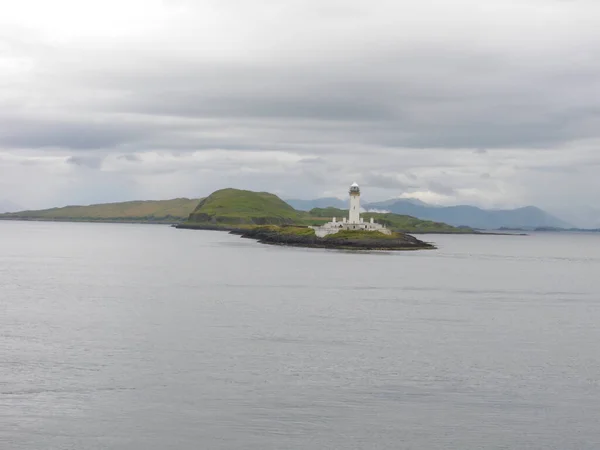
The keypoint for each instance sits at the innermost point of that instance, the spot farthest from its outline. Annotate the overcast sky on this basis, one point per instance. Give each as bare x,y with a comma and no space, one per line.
494,103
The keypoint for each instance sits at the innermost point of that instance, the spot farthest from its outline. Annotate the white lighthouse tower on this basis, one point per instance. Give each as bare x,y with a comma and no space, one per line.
354,213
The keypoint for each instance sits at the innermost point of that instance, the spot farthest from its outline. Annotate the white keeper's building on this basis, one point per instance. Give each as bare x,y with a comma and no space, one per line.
353,221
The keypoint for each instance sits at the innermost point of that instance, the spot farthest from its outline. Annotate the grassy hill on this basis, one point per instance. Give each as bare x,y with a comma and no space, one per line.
395,222
154,211
240,207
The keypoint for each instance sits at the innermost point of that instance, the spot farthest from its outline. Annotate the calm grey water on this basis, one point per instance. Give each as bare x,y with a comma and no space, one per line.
149,338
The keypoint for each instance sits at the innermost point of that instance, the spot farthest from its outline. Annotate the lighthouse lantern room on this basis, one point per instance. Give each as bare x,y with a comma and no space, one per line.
354,213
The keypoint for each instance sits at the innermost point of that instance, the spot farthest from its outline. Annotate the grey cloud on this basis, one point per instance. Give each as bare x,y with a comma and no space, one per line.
553,169
375,104
440,188
472,99
60,132
131,158
386,181
302,104
91,162
311,161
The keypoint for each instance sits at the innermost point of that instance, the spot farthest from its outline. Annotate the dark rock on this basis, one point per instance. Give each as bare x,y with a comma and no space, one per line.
267,236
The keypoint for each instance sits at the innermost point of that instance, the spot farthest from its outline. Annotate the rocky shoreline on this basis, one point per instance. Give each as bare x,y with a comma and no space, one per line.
399,242
210,227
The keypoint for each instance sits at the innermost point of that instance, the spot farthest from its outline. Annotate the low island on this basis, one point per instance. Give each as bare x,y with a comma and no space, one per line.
296,236
269,220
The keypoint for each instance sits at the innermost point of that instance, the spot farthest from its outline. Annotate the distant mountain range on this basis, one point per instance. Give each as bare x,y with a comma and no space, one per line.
461,215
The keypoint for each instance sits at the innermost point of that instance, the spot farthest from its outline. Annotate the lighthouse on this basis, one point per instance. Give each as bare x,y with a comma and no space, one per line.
353,222
354,213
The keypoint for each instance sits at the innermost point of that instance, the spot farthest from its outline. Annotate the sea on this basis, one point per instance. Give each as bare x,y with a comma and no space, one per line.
146,337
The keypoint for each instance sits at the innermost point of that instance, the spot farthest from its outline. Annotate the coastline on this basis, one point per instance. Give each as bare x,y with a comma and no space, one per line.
371,241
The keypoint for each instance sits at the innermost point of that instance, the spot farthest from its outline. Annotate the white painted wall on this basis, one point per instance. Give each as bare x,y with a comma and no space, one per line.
354,215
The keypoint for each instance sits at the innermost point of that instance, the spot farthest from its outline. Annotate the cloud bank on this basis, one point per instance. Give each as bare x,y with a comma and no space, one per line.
492,103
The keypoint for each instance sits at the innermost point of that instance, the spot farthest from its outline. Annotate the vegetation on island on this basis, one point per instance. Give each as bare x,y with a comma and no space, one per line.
150,211
241,207
288,230
362,234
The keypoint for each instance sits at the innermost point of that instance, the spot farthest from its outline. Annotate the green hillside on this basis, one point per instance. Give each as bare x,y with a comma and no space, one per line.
393,221
156,211
240,207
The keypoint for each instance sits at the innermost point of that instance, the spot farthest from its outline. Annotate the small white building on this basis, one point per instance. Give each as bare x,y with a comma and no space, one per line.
354,221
